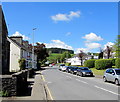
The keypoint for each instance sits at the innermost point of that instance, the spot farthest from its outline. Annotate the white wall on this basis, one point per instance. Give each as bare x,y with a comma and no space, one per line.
15,55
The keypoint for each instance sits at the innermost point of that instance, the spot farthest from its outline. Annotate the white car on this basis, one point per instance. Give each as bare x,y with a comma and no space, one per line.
113,75
60,67
63,68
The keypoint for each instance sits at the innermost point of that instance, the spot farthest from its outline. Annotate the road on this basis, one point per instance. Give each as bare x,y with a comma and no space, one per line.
65,86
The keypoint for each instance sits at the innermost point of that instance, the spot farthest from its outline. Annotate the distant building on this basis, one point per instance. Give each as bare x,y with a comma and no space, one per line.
20,49
4,45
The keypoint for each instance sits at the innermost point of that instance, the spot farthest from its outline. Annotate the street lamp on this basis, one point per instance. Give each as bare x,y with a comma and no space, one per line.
33,49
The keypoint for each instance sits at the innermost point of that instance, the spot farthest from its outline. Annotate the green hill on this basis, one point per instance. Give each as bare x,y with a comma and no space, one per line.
59,50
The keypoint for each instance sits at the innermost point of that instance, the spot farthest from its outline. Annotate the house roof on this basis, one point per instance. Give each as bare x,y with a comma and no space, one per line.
19,45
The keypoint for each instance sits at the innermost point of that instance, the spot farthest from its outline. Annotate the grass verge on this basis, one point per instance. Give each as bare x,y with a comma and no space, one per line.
97,72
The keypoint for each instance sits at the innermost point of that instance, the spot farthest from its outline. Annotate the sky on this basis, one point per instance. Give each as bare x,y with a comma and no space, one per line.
86,26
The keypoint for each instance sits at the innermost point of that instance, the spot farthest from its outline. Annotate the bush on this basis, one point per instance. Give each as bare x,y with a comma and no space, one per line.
22,63
113,61
117,62
67,64
103,64
90,63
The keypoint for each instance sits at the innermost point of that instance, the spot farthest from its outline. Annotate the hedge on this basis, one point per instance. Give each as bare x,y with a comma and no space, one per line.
103,64
90,63
117,62
67,64
113,61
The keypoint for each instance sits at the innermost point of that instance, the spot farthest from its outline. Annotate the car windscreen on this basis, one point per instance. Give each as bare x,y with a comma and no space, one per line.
84,68
117,72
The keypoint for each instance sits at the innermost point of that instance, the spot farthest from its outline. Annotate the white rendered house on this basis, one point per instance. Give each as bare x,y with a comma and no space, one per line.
19,49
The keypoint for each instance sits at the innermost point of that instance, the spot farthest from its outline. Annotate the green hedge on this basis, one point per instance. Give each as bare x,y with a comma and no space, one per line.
117,62
67,64
113,61
90,63
103,64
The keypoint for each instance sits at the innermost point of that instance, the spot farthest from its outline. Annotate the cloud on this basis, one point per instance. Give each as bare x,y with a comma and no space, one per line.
92,45
58,44
92,37
110,44
19,34
68,33
83,49
65,17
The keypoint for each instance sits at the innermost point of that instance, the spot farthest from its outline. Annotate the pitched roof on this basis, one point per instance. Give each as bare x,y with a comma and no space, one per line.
19,45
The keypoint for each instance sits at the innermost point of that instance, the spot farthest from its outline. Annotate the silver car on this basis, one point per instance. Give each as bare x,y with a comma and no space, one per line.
113,75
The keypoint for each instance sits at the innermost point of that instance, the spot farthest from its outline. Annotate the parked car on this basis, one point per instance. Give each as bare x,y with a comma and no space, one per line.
60,66
68,69
84,71
63,68
113,75
50,65
73,70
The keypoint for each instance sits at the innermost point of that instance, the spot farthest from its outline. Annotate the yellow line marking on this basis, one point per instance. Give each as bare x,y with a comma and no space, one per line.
47,88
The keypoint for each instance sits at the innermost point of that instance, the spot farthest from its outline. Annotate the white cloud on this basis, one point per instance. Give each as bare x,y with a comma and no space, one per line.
110,44
92,45
19,34
83,49
74,14
58,44
65,17
68,33
92,37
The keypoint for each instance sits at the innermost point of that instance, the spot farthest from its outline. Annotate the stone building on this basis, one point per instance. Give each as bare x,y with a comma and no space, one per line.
4,45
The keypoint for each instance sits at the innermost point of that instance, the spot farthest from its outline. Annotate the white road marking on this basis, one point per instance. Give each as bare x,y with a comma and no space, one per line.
68,77
82,81
106,90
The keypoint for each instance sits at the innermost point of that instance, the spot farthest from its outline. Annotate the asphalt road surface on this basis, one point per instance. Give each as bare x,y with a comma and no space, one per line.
66,86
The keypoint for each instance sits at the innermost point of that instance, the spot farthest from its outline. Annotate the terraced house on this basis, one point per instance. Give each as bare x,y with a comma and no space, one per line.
4,45
20,49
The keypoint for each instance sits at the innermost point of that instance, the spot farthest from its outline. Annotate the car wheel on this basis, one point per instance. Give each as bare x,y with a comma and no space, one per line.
116,82
81,74
104,79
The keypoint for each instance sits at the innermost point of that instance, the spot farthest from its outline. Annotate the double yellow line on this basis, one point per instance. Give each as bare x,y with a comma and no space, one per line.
51,98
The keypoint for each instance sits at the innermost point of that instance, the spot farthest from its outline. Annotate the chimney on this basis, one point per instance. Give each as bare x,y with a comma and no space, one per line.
17,39
26,43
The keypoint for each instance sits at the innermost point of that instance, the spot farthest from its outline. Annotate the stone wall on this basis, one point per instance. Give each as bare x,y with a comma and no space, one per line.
15,84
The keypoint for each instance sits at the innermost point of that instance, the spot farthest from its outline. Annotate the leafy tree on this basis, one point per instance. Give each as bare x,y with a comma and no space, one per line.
65,55
100,56
117,47
81,56
22,63
42,54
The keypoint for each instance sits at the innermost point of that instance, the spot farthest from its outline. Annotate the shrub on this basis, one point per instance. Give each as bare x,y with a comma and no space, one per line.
103,64
90,63
117,62
113,61
67,64
22,63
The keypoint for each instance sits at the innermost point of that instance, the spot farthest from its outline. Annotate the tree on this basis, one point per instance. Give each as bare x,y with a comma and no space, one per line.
117,47
42,54
65,55
81,56
100,56
22,63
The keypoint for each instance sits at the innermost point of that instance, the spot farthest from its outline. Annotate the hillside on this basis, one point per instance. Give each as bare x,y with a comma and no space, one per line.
59,50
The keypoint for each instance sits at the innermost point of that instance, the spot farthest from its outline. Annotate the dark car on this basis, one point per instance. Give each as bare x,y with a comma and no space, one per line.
68,69
84,71
74,70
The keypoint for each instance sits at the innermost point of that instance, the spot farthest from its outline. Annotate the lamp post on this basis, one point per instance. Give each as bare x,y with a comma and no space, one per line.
33,49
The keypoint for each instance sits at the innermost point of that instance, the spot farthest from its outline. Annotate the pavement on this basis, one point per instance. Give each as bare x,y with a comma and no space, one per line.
66,86
37,90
